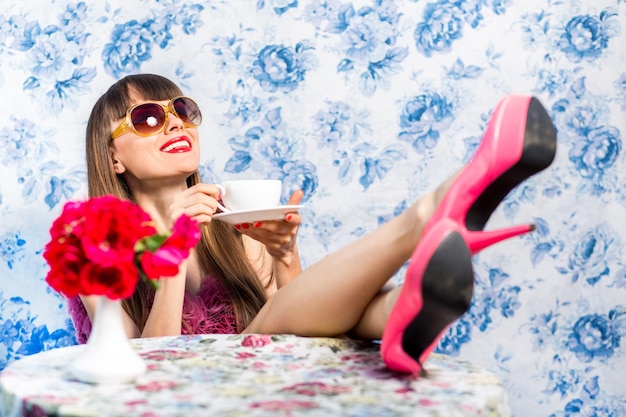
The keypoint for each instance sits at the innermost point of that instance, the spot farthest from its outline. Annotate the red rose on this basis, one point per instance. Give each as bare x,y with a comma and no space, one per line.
162,263
103,246
169,253
118,281
112,228
185,234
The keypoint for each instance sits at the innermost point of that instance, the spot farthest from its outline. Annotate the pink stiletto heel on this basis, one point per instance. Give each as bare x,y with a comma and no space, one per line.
479,240
519,141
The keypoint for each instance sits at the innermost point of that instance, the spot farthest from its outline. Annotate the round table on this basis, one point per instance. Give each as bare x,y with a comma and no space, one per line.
253,375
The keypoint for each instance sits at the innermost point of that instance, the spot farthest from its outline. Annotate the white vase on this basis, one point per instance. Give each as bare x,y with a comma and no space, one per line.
108,357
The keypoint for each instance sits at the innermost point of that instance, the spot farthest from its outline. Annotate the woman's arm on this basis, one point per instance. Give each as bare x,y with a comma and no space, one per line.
273,272
272,249
166,314
284,272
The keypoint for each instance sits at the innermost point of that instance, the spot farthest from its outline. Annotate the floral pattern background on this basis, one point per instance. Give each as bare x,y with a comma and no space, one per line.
365,105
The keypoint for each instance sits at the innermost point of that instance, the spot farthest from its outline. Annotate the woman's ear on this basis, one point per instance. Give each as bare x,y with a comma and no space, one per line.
118,166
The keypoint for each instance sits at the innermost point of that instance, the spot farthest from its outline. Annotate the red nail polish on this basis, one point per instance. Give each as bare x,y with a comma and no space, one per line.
237,226
289,216
245,225
257,224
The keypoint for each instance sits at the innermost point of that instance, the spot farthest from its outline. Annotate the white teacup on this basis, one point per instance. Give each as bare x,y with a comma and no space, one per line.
245,195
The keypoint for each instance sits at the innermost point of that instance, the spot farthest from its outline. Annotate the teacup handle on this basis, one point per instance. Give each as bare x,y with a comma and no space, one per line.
220,205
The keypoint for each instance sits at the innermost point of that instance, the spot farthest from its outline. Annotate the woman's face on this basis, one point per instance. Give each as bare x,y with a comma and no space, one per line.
171,154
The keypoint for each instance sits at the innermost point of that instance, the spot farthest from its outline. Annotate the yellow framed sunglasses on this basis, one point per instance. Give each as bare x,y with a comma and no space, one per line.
148,119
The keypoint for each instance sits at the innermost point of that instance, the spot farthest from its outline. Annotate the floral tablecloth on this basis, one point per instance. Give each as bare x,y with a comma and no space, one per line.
253,375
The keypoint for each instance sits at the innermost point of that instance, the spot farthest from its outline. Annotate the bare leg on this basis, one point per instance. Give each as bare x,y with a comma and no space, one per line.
372,323
343,291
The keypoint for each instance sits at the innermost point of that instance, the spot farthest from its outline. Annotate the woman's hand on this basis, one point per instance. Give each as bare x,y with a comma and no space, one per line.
198,202
278,236
277,240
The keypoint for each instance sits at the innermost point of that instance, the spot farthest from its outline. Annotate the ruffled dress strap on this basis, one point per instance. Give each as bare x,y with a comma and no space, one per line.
210,311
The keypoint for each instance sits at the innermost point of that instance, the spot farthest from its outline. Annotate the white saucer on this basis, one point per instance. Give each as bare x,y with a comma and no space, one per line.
249,216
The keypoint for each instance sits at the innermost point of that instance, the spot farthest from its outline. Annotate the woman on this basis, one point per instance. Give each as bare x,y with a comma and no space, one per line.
143,145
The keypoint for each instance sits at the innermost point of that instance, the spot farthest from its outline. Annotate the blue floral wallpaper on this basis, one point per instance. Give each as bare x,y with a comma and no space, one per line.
365,105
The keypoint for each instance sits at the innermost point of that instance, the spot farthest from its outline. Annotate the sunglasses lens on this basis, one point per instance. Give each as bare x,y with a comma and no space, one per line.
148,118
188,111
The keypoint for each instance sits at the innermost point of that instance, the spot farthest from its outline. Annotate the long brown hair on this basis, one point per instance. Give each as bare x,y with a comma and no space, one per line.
220,250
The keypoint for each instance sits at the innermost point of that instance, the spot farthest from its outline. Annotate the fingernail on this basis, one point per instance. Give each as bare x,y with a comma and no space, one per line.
257,224
237,226
245,225
289,216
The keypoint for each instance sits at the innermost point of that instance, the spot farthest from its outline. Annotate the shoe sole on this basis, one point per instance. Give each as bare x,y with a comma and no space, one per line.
538,153
447,287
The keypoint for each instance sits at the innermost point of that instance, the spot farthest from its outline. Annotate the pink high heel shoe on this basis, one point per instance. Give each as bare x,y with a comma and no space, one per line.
519,141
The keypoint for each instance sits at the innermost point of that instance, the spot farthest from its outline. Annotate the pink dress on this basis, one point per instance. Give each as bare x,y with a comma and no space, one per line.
210,311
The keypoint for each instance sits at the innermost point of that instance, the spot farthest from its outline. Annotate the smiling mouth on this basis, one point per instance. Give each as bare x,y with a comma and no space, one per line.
177,146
